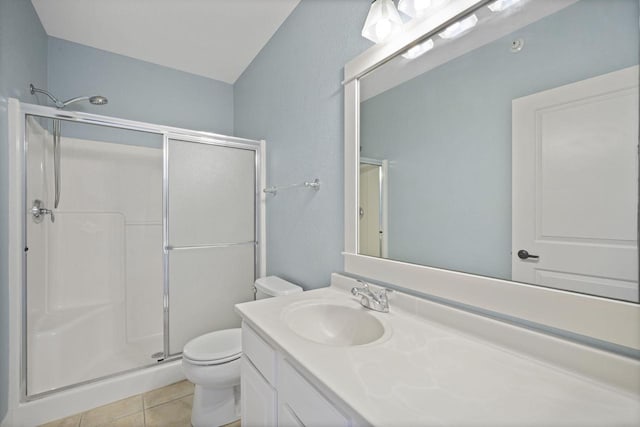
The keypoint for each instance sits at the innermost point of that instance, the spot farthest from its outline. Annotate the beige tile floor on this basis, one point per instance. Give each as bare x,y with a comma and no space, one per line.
168,406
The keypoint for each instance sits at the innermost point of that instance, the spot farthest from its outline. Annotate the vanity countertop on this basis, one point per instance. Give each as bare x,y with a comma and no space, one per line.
426,372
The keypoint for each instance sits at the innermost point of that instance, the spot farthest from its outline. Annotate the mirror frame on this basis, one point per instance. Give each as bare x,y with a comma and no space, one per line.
608,320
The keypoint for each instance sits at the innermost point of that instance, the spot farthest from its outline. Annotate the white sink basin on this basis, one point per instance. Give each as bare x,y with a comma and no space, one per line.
333,324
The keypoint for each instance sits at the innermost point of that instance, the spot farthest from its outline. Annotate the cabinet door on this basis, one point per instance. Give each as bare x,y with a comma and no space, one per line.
309,407
258,398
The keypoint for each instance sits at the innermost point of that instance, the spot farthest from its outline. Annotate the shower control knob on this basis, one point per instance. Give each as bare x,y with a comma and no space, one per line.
38,212
523,254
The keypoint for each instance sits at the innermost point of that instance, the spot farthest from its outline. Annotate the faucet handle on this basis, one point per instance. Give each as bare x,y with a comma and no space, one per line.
363,283
384,293
374,299
365,287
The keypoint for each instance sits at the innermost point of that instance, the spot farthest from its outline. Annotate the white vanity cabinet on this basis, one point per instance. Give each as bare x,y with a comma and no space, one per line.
275,393
302,402
258,381
258,397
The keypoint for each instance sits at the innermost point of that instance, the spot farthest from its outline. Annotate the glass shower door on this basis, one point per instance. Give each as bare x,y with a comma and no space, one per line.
210,236
94,263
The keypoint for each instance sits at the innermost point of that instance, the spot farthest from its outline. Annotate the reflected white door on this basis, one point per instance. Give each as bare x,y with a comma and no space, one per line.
370,228
575,186
373,238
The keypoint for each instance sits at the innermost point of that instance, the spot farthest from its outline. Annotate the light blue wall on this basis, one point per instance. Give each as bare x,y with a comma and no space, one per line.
447,133
139,90
291,95
23,59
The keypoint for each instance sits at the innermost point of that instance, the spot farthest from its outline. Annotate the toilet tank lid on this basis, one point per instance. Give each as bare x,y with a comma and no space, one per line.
275,286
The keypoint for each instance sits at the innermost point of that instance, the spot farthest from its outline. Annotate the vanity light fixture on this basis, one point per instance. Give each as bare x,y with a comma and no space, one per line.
382,21
500,5
456,29
418,49
418,8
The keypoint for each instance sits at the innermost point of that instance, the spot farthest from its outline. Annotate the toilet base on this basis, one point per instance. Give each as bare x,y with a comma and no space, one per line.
225,408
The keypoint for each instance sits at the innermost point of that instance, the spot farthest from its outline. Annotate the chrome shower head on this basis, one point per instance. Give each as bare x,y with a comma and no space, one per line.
95,100
98,100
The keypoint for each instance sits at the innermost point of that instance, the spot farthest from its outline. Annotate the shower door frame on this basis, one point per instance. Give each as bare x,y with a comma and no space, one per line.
19,112
167,248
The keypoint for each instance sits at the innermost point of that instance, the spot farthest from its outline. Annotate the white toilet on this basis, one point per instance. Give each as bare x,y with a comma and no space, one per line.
212,363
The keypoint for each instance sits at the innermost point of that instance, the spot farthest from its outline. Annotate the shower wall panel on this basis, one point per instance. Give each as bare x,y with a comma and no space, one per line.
39,142
144,280
124,180
86,257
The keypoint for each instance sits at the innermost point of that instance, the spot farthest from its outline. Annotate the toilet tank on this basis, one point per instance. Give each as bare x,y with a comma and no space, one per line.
274,286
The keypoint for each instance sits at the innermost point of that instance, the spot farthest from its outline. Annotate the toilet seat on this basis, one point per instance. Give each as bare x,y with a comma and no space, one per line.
214,348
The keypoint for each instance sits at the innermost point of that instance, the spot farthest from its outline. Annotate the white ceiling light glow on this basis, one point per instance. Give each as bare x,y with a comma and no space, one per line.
419,8
382,21
418,50
460,27
500,5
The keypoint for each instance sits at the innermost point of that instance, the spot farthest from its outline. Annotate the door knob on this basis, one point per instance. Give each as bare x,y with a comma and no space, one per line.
523,254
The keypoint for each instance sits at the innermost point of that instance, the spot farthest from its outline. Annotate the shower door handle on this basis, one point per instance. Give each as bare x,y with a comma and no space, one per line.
38,212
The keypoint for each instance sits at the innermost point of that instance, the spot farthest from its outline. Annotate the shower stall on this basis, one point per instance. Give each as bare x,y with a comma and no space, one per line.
155,237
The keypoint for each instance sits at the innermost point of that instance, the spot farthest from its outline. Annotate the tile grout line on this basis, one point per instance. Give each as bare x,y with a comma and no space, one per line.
82,415
168,401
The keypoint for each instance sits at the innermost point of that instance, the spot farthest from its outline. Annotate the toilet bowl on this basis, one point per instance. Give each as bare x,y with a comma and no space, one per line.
212,362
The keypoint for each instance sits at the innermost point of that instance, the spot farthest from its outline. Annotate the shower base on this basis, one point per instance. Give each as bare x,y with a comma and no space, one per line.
63,403
83,344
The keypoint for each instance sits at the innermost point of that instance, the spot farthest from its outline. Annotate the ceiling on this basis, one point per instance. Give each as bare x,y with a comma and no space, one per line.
212,38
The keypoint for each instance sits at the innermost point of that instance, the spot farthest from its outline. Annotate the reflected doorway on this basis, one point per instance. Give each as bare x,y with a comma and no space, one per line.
373,208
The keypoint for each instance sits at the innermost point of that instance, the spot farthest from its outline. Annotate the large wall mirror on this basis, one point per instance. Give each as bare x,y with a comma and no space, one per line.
506,146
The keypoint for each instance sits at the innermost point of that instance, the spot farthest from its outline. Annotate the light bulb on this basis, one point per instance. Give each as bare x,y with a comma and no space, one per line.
382,21
500,5
382,29
418,49
419,8
456,29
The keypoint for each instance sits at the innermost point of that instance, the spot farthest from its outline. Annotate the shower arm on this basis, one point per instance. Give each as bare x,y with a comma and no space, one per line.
34,90
72,100
59,104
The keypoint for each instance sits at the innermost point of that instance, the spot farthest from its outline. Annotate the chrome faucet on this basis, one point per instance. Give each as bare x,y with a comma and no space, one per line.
372,299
